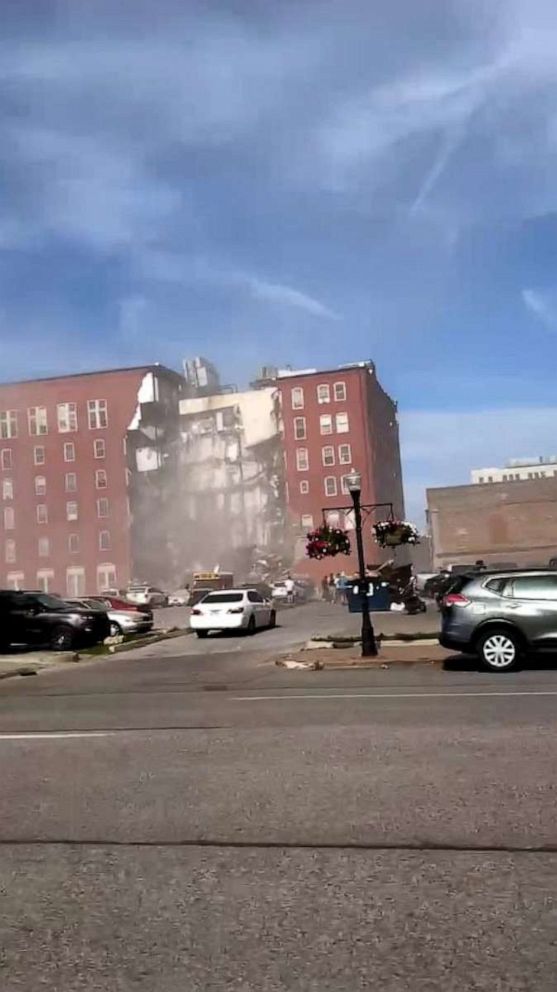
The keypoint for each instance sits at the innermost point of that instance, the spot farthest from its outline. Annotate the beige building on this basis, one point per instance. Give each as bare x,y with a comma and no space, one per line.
510,522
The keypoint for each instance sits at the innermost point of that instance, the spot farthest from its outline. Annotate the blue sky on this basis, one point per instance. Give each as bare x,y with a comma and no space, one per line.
296,182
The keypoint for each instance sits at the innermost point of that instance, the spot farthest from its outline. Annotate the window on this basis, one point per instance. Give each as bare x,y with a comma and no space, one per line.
98,414
324,393
100,479
9,518
71,482
75,582
330,485
345,454
7,489
326,423
535,587
44,547
37,420
106,577
42,513
8,424
40,485
340,391
45,579
481,479
307,521
6,460
300,428
99,447
344,485
102,507
302,460
71,511
254,597
69,451
342,423
67,417
304,487
328,455
104,540
38,455
73,544
16,580
297,398
9,552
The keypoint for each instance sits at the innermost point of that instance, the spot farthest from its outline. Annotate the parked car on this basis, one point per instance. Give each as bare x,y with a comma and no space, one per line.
121,621
279,591
232,609
501,616
198,594
121,603
145,595
40,619
179,598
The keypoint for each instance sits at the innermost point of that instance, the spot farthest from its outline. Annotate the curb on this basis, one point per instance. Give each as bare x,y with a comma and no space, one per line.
390,642
327,640
24,670
319,666
140,642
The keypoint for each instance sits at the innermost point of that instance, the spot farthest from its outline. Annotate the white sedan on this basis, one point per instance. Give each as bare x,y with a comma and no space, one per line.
232,609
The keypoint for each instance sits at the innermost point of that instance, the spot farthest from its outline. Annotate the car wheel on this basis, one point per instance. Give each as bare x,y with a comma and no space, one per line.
251,625
62,639
202,633
115,629
273,619
499,650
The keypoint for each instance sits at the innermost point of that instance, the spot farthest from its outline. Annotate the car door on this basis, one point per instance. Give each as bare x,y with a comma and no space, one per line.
26,616
262,609
534,607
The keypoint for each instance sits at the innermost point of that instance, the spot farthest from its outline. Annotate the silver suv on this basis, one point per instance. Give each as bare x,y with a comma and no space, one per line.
501,616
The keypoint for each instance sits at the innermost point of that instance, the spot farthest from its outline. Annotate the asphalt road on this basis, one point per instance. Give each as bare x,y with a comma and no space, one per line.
203,820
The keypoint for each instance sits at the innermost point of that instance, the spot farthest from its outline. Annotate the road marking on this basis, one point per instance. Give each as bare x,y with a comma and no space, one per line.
55,735
387,695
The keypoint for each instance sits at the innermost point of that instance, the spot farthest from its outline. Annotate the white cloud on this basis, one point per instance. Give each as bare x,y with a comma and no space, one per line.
541,307
274,292
441,448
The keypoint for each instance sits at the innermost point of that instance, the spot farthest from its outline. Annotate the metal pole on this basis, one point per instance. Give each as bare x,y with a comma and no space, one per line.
369,647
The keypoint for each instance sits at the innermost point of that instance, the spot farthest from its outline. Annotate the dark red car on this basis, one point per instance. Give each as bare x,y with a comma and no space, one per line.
117,603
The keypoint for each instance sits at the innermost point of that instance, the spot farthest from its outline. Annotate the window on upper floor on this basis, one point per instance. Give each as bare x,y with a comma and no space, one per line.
300,428
7,489
43,547
339,391
40,485
97,412
324,393
37,420
326,423
101,481
9,518
102,507
9,552
71,482
73,544
99,447
302,459
8,424
345,454
304,487
39,457
330,484
342,424
328,455
72,511
104,540
67,417
297,395
69,451
6,459
42,513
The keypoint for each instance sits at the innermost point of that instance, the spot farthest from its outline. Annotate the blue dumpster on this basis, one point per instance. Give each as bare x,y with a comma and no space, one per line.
378,596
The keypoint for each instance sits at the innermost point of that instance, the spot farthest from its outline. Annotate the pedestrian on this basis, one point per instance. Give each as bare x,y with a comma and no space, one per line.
331,583
325,588
289,583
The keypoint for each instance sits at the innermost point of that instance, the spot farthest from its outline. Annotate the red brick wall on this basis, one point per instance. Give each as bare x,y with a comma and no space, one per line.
119,389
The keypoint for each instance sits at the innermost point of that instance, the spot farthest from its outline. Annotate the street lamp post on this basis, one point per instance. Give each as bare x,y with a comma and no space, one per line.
369,646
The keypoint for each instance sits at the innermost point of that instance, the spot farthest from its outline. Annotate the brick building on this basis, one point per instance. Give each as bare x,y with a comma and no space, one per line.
74,453
512,522
333,421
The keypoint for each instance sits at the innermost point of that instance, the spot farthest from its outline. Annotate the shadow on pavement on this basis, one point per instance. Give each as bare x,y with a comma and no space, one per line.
542,662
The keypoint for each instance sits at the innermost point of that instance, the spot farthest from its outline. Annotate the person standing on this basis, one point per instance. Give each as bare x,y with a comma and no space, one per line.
325,588
289,583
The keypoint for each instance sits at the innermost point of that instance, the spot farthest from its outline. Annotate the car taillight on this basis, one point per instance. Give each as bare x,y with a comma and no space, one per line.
236,609
455,599
196,613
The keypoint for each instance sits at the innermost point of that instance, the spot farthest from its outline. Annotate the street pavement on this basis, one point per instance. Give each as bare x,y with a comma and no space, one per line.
204,820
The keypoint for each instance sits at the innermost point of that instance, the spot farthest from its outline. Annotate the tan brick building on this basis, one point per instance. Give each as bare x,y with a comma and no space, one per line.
503,522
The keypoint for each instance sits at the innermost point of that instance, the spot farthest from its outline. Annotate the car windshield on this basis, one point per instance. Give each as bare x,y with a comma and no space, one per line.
224,597
50,602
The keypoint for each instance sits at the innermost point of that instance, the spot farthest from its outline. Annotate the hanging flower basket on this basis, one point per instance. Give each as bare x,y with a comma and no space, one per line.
392,533
326,542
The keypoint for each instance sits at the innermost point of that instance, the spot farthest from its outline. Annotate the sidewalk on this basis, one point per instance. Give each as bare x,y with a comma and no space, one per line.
350,624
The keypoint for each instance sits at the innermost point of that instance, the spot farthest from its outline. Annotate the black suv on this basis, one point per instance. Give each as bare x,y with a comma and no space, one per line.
35,618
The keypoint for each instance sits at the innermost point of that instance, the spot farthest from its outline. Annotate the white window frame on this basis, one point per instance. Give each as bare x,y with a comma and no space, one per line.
101,479
75,581
15,581
330,490
66,414
345,461
70,482
7,488
99,444
302,459
37,421
40,485
338,418
39,459
110,575
304,487
43,547
297,397
326,424
8,424
69,446
300,425
10,551
97,415
6,459
44,577
105,541
339,388
103,516
331,450
71,549
71,513
9,518
307,521
42,513
323,393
